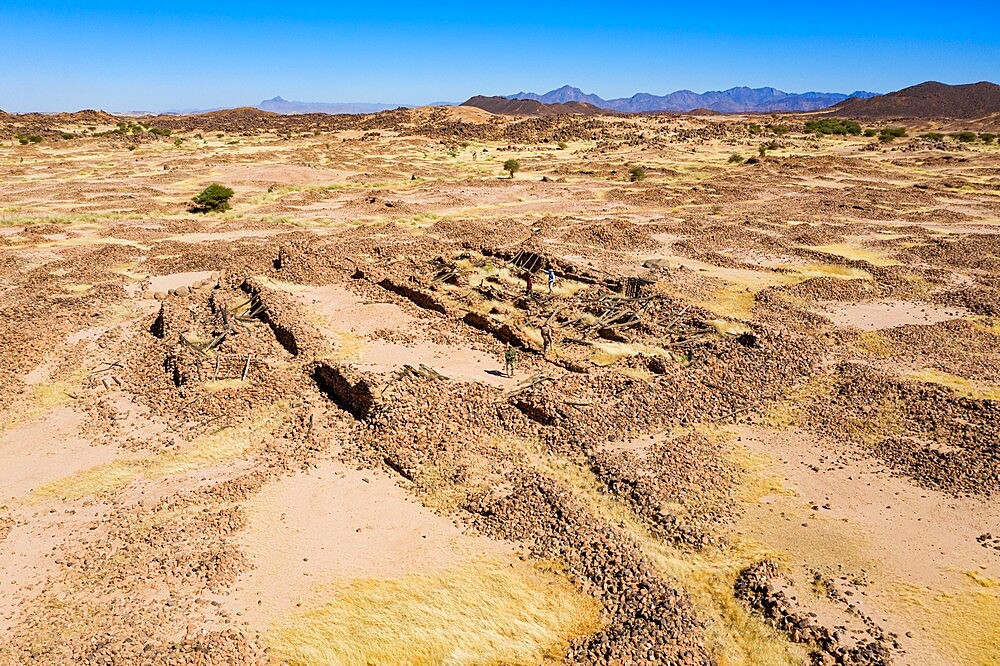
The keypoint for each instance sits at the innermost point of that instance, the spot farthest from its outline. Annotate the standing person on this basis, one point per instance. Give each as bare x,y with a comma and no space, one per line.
529,283
546,338
552,277
509,359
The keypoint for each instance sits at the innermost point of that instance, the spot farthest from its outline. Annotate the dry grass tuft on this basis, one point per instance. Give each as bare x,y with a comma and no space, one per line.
483,612
964,623
206,451
855,252
607,353
875,343
960,385
735,636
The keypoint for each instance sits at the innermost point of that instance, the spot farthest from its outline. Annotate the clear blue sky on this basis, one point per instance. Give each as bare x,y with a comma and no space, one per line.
138,55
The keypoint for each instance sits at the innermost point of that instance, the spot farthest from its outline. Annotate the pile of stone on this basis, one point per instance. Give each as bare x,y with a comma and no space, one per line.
648,621
755,586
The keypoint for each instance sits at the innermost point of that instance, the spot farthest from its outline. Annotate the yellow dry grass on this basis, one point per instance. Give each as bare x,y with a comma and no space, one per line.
482,612
854,252
734,302
608,352
42,398
758,481
828,270
988,326
217,447
788,411
728,327
961,385
875,343
216,385
734,635
964,623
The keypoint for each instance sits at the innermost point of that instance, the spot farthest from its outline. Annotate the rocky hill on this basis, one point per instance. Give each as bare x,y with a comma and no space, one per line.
928,100
529,107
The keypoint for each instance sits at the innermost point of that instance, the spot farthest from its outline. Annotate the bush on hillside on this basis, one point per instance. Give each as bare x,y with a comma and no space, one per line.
833,126
888,134
214,198
512,166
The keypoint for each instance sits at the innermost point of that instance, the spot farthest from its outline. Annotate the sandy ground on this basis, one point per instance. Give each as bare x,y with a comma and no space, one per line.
336,523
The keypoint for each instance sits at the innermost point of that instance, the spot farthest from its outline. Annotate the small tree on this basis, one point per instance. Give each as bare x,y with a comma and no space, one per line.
214,198
512,166
636,173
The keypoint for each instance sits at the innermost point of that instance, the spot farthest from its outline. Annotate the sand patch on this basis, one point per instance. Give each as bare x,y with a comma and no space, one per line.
335,522
877,315
164,283
45,449
352,325
908,543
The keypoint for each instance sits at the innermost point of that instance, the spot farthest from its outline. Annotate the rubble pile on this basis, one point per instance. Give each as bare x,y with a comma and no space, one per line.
754,586
649,622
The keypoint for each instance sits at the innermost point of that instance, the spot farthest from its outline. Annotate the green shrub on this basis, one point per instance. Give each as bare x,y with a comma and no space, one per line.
871,131
780,130
833,126
987,137
762,150
754,128
636,173
965,137
888,134
735,158
25,139
512,166
159,131
214,198
562,145
932,136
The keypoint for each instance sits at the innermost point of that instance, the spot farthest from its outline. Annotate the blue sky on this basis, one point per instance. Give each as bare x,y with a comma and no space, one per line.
124,56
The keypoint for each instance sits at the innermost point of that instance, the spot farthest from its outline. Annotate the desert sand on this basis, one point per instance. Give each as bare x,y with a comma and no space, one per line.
766,430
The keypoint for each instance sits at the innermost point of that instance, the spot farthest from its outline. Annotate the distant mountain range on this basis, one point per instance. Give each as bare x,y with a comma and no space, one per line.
280,105
734,100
